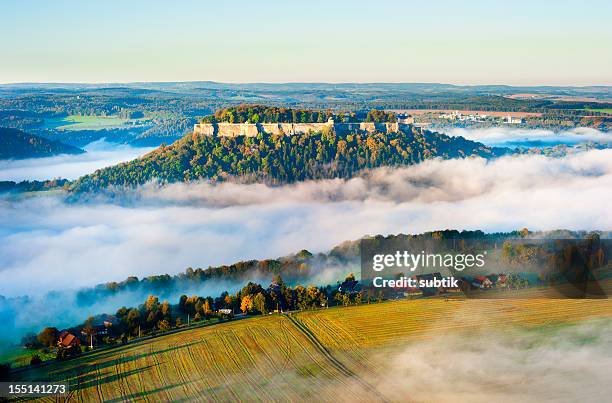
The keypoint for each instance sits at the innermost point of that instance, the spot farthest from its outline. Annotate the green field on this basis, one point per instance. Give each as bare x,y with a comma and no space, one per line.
340,354
604,110
79,122
20,356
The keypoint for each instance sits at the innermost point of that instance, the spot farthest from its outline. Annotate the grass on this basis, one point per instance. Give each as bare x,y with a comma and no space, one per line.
603,110
308,355
20,357
79,122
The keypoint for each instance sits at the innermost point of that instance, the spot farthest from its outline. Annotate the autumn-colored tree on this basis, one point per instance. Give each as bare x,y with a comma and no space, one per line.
246,304
163,325
48,336
166,310
152,303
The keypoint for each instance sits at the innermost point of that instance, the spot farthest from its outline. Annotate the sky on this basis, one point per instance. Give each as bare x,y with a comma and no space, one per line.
468,42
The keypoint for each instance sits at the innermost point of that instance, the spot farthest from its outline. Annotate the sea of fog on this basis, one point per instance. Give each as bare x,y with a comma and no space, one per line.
156,229
99,154
48,243
511,137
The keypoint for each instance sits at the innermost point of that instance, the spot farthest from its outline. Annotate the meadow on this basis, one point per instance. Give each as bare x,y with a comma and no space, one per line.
607,111
336,354
80,122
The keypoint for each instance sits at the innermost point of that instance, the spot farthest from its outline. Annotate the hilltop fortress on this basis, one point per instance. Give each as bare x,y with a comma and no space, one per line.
253,129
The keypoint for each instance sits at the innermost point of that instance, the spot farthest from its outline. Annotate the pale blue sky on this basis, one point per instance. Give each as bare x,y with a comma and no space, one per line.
461,42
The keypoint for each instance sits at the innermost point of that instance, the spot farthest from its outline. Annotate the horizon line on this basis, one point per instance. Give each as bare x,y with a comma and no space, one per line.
34,83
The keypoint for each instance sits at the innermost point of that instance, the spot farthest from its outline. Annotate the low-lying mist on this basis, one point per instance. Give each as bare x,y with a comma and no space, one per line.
48,243
565,364
511,137
99,154
68,308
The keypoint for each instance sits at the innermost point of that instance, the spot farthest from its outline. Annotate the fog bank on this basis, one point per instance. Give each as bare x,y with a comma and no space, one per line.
99,154
510,137
566,364
46,243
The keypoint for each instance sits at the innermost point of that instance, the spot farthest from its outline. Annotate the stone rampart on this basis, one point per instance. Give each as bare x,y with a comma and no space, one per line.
253,129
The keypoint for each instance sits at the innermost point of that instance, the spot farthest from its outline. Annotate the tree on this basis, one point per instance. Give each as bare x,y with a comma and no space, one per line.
163,325
259,303
199,307
30,340
152,319
182,300
152,303
133,319
48,336
88,329
166,311
247,304
206,308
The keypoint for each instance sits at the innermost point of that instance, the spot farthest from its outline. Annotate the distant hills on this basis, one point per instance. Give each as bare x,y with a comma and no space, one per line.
16,144
280,159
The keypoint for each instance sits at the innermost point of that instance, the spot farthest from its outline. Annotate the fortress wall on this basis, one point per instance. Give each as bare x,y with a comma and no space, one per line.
287,128
272,128
207,129
369,127
343,128
252,129
307,127
229,130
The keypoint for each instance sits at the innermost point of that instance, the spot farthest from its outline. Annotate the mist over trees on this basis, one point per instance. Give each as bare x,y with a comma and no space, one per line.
279,159
16,144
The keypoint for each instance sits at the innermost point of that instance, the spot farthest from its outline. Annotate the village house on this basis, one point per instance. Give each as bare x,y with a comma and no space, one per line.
482,282
68,340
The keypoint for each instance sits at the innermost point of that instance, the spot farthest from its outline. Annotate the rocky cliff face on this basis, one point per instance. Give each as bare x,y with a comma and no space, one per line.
253,129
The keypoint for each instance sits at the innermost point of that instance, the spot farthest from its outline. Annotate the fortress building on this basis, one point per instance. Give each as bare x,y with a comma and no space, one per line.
253,129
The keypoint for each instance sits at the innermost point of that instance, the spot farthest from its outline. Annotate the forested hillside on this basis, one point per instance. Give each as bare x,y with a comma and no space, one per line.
16,144
282,159
267,114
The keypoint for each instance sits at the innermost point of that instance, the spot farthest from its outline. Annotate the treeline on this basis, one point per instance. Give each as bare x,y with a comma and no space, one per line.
267,114
462,102
295,268
281,159
16,144
556,261
154,316
378,116
32,186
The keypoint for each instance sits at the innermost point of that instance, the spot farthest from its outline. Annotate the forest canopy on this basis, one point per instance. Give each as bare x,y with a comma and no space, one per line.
272,114
279,159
